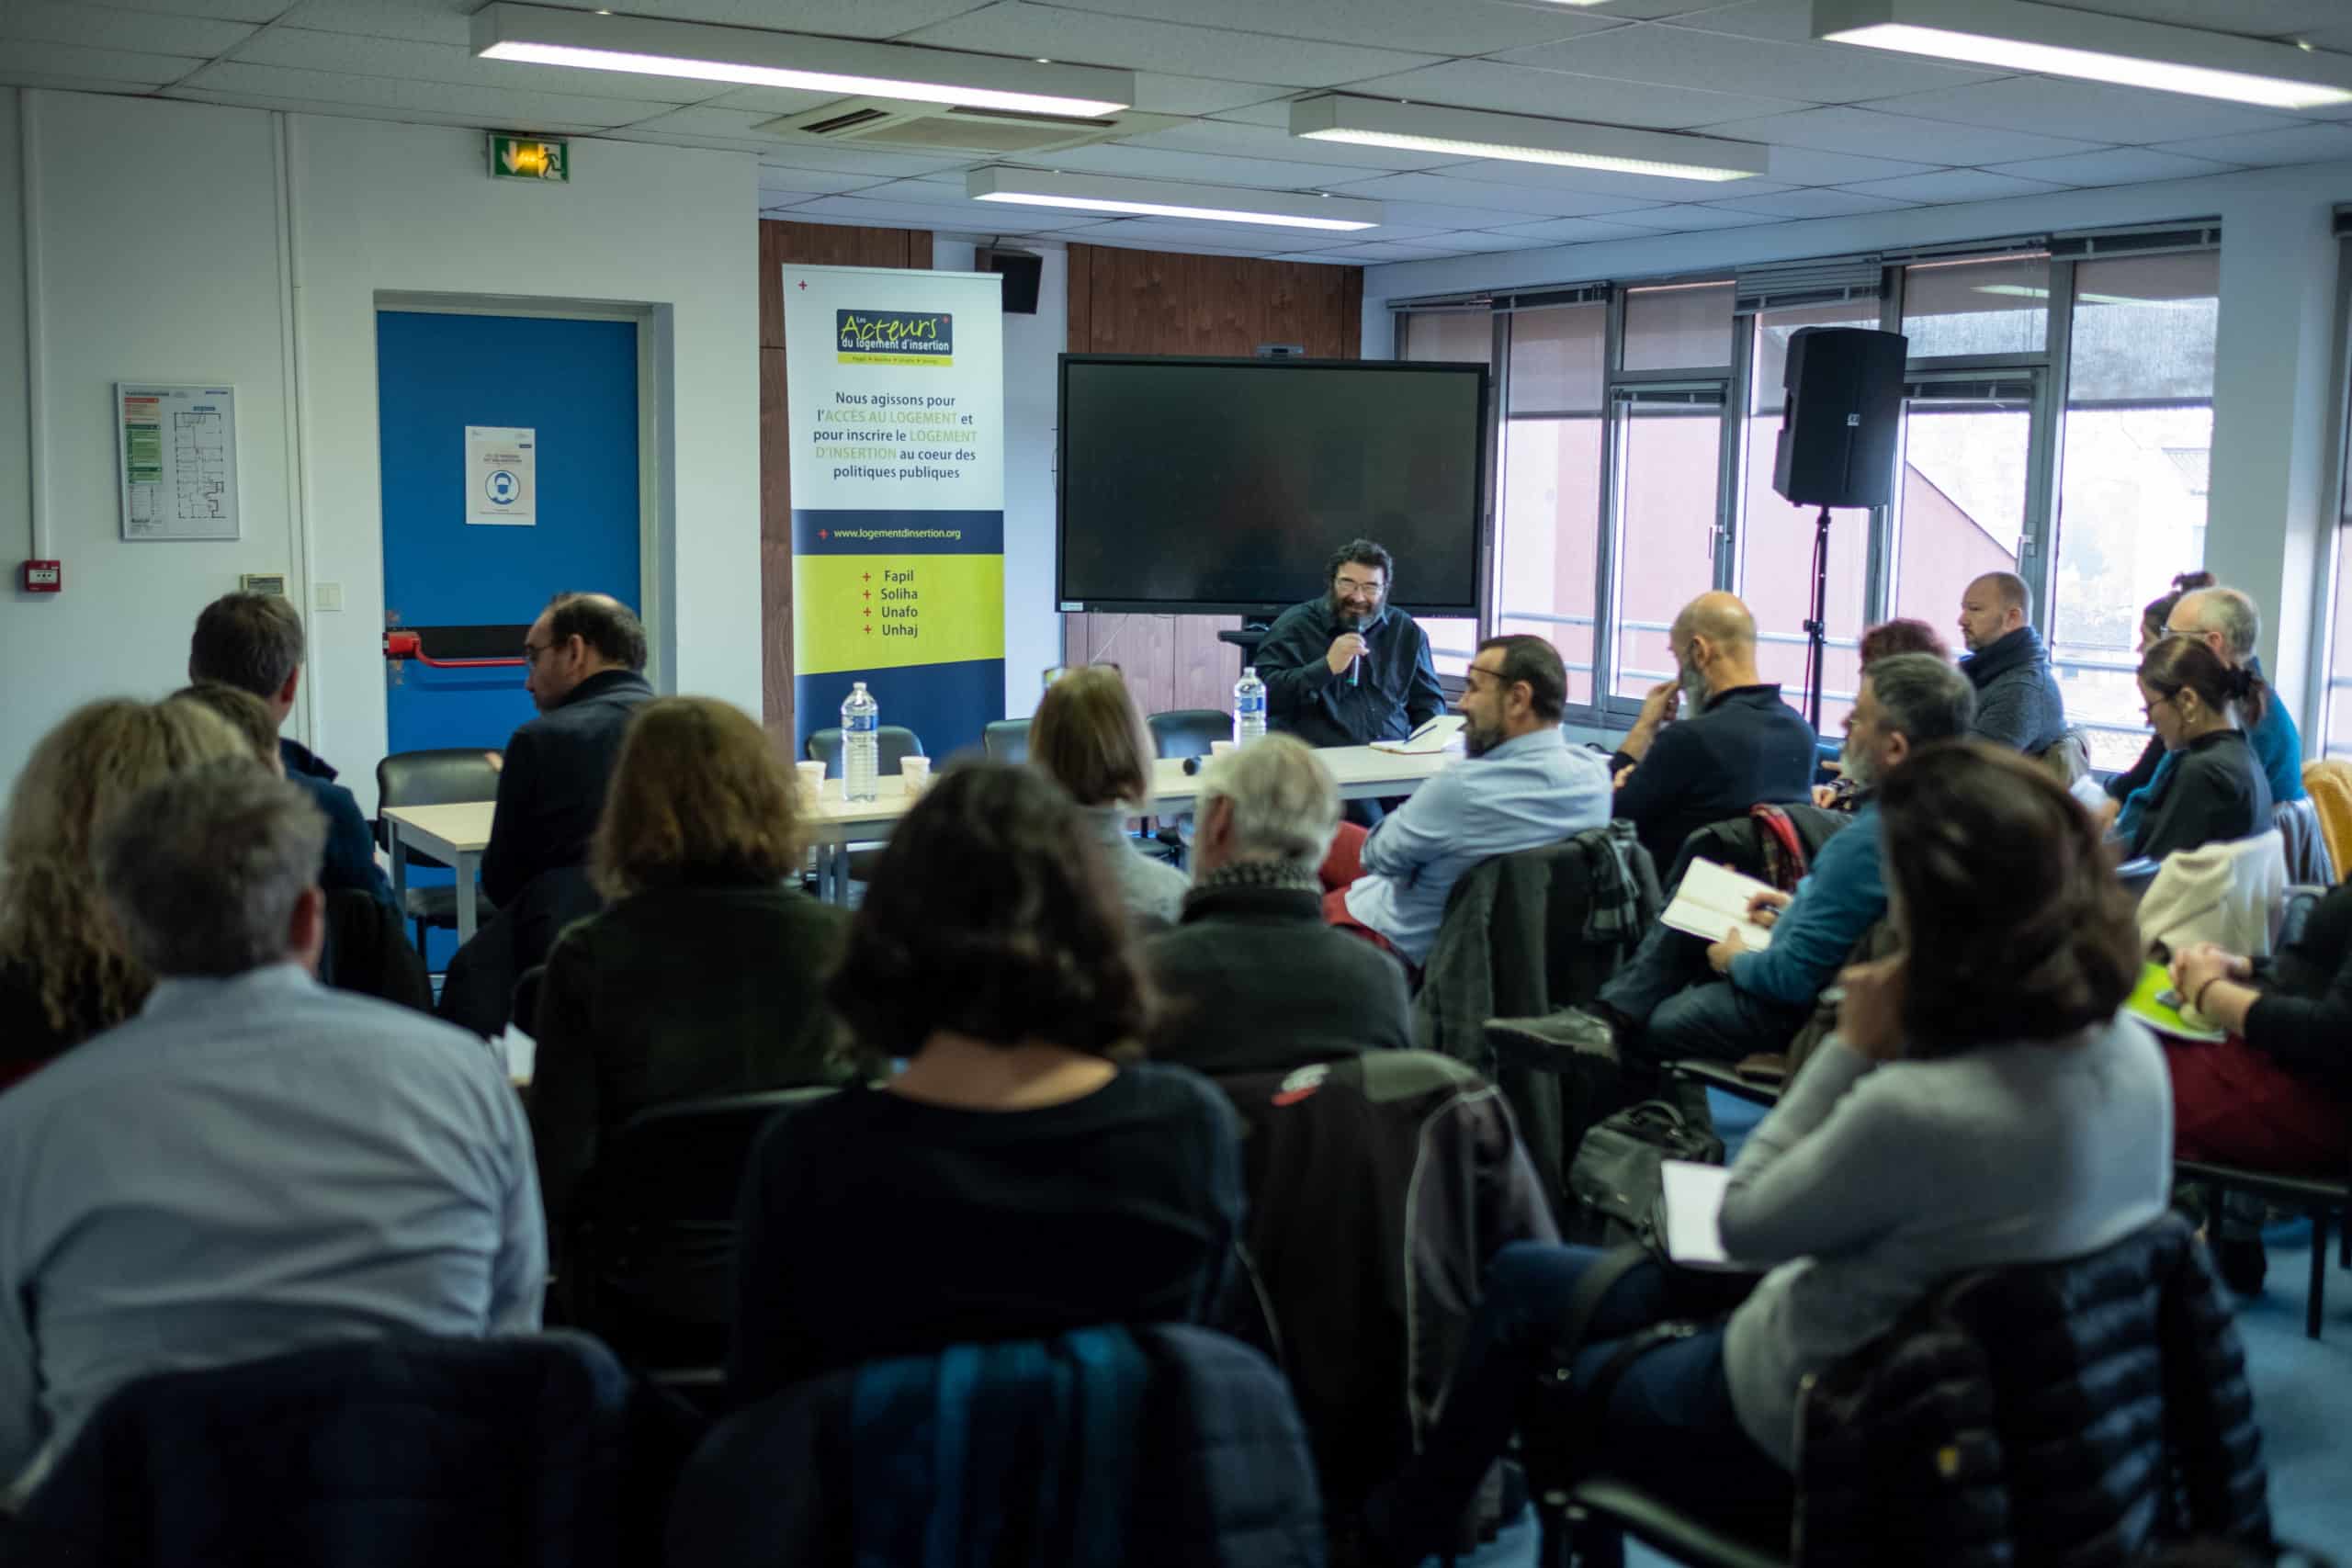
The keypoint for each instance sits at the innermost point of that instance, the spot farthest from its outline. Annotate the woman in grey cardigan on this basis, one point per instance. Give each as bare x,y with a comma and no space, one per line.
1981,1104
1089,737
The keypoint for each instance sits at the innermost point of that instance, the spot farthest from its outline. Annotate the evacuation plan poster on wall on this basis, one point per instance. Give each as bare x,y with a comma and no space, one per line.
894,394
178,450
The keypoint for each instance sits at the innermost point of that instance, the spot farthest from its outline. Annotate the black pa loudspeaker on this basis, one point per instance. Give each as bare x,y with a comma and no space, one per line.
1020,270
1837,429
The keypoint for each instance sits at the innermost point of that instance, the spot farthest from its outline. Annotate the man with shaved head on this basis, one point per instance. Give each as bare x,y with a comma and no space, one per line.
584,662
1715,740
2018,700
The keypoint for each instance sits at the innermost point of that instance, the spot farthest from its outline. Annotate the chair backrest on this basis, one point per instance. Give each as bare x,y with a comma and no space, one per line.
2068,758
893,744
651,1254
398,1450
2328,781
1740,844
2228,892
368,953
1006,740
1186,732
2308,861
1156,1446
1379,1186
445,775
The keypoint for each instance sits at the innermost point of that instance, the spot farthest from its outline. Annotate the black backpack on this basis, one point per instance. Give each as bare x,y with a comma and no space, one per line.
1613,1185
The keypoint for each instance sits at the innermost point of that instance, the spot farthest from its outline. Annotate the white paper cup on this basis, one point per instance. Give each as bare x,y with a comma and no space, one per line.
1219,748
812,781
916,771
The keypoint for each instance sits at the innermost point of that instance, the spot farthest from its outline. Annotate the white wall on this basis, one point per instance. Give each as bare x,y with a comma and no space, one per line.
2273,427
210,275
1032,345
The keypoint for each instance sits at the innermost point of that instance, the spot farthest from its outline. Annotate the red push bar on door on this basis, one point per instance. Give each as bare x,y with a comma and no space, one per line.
411,645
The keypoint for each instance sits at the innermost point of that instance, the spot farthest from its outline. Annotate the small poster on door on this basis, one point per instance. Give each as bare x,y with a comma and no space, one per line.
502,476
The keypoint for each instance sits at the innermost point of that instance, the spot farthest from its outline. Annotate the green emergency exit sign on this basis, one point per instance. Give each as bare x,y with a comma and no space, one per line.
529,158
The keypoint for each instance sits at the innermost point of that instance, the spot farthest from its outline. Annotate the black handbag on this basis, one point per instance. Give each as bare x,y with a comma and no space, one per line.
1613,1185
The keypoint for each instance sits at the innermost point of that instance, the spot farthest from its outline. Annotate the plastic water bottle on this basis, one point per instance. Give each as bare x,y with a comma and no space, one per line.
1248,707
861,745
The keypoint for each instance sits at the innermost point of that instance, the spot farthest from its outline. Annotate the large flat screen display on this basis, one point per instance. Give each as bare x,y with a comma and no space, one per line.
1220,486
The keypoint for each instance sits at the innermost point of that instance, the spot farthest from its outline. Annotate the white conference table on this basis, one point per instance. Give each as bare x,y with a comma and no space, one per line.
458,834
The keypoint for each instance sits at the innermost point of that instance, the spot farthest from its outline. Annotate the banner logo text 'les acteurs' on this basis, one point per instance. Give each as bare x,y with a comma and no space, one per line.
894,337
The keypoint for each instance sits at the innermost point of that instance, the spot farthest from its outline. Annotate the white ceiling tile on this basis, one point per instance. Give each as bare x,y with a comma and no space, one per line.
852,208
1206,168
2337,37
1546,201
1693,216
1683,57
854,161
1784,21
1809,166
1576,231
850,19
2089,111
932,192
1644,10
2260,18
700,119
1442,217
302,49
1463,27
1477,241
775,181
752,144
1087,37
1373,254
1873,134
1184,235
534,111
1115,236
1272,111
1605,182
771,101
2304,144
1483,84
220,10
421,21
1953,185
1236,139
1158,92
1814,203
12,77
345,108
110,27
95,65
2124,165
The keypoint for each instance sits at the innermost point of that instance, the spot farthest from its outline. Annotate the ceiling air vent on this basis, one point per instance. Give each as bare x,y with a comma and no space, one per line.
894,125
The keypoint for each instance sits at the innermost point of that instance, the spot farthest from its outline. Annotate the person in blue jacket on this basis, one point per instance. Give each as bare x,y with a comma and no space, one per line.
1682,996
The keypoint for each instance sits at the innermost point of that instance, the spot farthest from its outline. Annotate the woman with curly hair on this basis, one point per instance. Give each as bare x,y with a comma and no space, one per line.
1019,1177
706,974
64,975
1981,1103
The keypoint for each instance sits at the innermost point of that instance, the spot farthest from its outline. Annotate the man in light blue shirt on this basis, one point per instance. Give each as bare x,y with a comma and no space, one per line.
255,1163
1519,785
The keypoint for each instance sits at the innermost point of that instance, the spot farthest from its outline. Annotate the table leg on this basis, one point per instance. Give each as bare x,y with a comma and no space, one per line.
399,872
469,868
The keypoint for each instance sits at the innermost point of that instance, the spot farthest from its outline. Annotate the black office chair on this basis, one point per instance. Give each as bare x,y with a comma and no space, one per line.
448,775
1186,732
894,744
1006,741
649,1263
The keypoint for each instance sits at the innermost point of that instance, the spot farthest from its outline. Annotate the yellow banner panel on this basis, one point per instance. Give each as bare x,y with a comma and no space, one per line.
887,612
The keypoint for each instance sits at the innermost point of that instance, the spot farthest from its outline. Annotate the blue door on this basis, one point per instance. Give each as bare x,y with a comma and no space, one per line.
469,590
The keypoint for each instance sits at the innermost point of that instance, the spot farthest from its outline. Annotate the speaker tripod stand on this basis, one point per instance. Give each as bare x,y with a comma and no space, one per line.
1816,629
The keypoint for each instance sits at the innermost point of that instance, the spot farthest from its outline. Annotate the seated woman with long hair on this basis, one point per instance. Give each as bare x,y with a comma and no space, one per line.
1981,1104
1014,1179
1089,737
2215,791
706,974
64,975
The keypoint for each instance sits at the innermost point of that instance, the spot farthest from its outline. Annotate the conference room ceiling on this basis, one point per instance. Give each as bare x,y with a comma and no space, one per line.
1851,130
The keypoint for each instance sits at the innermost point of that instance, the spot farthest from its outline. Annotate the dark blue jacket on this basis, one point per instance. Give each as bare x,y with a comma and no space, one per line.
1173,1445
1394,693
552,788
350,848
1746,748
383,1453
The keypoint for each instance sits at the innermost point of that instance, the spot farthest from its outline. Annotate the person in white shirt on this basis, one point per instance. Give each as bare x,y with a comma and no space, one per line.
253,1163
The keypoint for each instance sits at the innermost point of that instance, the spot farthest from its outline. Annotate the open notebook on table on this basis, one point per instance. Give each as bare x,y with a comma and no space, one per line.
1713,899
1430,739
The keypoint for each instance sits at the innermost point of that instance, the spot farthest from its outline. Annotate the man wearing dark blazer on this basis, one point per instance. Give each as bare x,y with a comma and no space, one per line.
585,657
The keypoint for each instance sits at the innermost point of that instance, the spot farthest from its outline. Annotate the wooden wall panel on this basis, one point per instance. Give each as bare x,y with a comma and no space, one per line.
811,244
1126,301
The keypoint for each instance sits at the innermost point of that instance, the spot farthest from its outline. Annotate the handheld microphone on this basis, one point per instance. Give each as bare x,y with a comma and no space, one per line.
1355,666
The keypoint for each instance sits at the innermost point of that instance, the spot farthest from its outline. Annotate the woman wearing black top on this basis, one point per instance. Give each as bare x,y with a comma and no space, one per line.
2155,620
1013,1180
2216,791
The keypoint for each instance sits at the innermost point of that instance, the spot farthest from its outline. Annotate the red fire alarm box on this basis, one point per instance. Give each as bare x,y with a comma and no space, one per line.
44,577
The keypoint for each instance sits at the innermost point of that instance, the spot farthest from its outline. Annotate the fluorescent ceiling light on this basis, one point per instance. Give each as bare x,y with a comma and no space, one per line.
2017,35
1171,198
1475,133
704,52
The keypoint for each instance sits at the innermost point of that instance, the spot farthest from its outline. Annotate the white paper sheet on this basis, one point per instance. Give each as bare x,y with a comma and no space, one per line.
1695,1208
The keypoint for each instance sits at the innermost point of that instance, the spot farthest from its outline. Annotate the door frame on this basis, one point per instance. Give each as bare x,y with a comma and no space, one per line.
651,481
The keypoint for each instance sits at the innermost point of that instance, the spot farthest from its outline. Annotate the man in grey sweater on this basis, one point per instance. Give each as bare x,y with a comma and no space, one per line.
2018,700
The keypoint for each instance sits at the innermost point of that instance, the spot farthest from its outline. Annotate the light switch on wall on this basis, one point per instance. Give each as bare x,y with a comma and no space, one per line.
328,596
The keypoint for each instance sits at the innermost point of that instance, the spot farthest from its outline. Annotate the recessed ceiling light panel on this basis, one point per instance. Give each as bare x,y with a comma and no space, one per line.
1171,198
2019,35
705,52
1475,133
